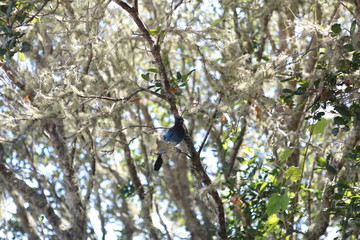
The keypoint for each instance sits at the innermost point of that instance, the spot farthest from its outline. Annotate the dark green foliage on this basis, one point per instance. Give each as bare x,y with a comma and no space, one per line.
255,191
14,17
127,190
176,82
337,88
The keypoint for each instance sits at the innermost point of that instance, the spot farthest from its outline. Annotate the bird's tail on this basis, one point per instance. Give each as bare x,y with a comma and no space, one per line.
158,163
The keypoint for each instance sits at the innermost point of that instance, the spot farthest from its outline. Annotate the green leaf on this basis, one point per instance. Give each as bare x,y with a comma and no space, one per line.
336,196
277,202
319,115
12,43
2,51
178,76
356,60
335,131
352,27
154,70
319,127
18,34
331,169
263,185
321,161
300,91
349,47
265,58
272,221
21,56
10,8
339,121
146,77
286,99
184,78
273,205
286,90
287,79
336,28
343,111
294,173
342,185
216,22
286,154
344,65
25,47
35,20
165,59
153,32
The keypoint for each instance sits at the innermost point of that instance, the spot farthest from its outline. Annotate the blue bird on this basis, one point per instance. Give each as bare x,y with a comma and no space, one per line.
175,134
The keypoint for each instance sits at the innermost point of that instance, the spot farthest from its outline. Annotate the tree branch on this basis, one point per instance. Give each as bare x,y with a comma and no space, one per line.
145,198
179,185
101,215
197,170
38,200
125,99
27,221
55,128
136,7
94,156
162,222
235,150
322,221
156,52
131,164
210,126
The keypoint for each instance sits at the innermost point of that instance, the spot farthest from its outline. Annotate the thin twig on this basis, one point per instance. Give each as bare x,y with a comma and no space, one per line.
238,143
355,15
161,221
125,99
94,156
37,13
178,5
209,129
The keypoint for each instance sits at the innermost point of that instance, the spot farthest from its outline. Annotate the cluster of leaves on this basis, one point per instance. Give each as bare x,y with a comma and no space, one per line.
128,190
265,201
260,197
14,16
347,198
176,82
336,86
338,95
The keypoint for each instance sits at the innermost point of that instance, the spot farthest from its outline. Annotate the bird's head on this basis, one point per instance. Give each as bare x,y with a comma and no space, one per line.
179,120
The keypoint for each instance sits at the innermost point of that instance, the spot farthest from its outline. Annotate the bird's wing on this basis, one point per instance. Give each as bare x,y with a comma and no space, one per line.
168,135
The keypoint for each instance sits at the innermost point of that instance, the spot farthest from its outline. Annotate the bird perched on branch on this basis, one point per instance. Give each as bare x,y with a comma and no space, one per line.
175,134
